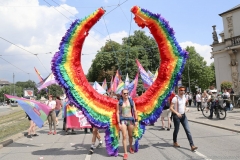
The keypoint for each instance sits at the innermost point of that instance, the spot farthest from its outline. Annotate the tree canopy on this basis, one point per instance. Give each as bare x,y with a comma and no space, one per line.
114,56
197,71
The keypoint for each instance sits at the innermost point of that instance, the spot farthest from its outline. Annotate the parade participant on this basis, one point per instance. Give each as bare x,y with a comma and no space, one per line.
178,108
57,108
166,113
32,128
52,115
126,111
95,136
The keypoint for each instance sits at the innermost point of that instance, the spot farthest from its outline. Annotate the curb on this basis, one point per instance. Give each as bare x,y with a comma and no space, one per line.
12,139
15,137
233,130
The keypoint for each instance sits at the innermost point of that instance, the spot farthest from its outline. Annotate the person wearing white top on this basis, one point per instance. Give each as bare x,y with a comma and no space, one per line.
52,115
199,101
226,97
178,108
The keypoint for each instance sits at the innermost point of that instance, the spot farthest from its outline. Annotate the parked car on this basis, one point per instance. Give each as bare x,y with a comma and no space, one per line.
13,103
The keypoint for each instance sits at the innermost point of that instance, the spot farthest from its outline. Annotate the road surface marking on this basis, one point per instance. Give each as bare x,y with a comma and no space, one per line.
201,155
88,157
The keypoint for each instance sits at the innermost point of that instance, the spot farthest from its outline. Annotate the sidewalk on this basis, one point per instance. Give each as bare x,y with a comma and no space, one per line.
231,123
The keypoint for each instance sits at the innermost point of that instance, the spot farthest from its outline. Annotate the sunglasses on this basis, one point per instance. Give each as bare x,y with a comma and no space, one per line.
125,93
182,90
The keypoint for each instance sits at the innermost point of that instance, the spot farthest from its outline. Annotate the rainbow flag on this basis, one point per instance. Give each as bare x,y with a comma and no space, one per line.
104,84
76,119
120,87
116,81
37,111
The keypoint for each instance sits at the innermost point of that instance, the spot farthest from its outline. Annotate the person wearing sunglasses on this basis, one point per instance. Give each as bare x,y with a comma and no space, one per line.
178,108
127,119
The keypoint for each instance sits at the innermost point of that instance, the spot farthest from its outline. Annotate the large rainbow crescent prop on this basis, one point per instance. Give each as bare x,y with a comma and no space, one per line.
101,110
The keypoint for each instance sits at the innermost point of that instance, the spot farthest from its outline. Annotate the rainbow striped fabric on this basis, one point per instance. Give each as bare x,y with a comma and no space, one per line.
101,110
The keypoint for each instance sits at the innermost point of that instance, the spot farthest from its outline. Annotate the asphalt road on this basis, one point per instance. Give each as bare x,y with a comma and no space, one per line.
213,143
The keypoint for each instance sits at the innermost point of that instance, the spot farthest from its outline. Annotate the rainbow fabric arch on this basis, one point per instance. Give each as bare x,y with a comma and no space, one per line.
101,110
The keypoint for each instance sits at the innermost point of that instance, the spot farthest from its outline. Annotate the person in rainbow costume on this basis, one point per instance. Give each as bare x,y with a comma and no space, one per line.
101,110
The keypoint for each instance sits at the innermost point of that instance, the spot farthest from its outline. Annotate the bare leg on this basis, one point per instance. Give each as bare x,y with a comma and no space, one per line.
130,131
162,118
124,137
50,122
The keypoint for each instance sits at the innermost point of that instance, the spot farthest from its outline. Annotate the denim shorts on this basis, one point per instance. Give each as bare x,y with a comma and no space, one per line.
57,113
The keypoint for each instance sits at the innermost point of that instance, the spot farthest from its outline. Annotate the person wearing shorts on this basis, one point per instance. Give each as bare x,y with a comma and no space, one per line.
127,120
166,113
58,108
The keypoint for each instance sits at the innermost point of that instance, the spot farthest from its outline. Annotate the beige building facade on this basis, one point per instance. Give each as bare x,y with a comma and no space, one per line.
226,52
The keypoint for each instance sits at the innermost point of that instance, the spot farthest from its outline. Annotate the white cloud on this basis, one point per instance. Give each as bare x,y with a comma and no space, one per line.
203,50
105,1
36,28
63,1
39,29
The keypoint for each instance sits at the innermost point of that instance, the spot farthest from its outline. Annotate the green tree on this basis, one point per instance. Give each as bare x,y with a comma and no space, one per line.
197,71
226,85
114,56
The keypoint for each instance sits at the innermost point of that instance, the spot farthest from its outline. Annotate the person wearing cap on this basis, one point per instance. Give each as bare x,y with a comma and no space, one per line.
52,115
178,108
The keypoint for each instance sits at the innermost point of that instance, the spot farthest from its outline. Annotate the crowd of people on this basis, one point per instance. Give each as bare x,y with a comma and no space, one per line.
174,110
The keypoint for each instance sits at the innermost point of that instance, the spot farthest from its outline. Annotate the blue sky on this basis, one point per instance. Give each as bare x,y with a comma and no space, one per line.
38,28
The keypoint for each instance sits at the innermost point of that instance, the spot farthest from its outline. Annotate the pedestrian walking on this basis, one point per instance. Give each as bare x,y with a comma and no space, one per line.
199,101
166,113
190,97
178,108
194,99
127,120
95,136
58,108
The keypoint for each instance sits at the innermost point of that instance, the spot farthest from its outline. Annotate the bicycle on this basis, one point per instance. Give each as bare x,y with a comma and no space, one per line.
219,110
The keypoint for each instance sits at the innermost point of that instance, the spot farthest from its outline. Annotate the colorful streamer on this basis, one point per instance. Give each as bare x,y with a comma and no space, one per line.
100,110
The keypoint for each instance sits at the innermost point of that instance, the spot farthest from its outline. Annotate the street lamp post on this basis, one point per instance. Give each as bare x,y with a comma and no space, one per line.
189,80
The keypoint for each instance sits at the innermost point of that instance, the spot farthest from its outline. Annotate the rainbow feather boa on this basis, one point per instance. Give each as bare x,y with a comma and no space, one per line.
101,110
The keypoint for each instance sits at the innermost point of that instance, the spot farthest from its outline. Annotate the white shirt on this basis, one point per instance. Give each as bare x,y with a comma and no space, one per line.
227,94
198,98
180,106
51,104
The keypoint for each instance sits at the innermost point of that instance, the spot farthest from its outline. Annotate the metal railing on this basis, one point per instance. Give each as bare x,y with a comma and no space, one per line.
235,41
